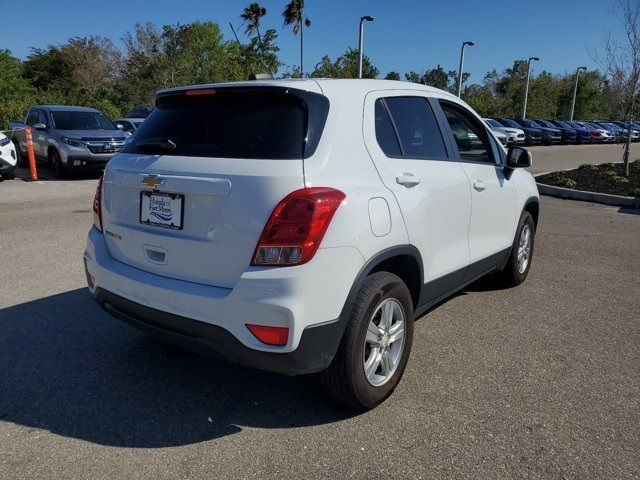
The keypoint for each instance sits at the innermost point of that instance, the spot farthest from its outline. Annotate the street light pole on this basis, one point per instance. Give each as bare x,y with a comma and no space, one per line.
464,44
366,18
575,91
526,88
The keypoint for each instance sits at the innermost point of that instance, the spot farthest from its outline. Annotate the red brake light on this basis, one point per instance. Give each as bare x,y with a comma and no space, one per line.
296,227
269,335
201,91
97,206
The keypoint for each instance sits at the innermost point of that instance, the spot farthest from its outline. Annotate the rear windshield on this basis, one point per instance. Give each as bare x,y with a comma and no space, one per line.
253,123
82,121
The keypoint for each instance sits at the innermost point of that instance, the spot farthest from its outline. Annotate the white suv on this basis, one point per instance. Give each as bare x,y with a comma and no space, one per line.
300,226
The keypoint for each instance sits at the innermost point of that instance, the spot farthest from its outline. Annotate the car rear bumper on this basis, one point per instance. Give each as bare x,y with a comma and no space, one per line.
306,299
315,351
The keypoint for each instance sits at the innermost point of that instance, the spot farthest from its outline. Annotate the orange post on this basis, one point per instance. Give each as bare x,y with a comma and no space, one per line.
32,156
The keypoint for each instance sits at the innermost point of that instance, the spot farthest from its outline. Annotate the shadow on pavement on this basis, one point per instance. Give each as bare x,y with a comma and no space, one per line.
45,173
69,368
629,211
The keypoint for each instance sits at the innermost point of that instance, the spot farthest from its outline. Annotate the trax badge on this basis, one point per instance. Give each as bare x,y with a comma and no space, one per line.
152,181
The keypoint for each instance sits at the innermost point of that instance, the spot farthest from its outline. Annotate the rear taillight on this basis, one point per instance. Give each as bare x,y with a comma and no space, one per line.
296,227
97,206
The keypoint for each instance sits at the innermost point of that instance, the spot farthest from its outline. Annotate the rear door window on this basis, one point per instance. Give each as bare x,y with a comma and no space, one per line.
385,131
233,123
417,129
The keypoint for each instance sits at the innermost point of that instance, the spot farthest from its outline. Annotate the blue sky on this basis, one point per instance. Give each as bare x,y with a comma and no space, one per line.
406,35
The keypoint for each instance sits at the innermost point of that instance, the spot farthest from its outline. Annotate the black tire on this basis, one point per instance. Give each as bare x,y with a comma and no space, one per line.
55,163
511,275
345,379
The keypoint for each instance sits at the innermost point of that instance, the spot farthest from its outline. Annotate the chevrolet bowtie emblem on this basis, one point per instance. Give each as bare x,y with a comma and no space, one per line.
152,181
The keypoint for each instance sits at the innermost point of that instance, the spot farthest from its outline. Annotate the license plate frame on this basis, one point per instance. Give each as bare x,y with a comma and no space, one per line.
160,213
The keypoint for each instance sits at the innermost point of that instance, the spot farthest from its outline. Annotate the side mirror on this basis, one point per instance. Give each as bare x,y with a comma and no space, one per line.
39,126
518,157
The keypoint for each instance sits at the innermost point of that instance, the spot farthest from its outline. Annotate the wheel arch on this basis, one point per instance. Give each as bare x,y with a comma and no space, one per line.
532,205
404,261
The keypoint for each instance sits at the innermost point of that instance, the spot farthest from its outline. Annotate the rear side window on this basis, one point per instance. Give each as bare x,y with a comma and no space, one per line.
385,132
233,123
416,127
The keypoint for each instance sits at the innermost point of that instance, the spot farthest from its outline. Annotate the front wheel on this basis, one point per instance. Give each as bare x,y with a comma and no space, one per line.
55,162
517,268
375,347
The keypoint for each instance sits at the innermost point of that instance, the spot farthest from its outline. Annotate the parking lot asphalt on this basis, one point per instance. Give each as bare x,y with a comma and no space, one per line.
566,157
541,381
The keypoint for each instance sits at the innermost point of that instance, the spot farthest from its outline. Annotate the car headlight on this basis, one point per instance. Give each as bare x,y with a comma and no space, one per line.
74,142
4,141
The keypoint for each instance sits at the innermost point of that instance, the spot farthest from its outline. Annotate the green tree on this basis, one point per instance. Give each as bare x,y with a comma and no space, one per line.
436,77
294,15
252,16
392,76
414,77
345,66
17,94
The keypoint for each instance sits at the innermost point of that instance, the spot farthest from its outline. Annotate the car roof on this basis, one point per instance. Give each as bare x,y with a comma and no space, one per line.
319,85
66,108
131,119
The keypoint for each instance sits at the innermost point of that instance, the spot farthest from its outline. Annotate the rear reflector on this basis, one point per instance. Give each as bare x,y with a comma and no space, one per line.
270,335
296,227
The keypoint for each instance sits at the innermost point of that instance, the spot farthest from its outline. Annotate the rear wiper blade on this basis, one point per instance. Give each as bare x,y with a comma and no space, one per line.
162,144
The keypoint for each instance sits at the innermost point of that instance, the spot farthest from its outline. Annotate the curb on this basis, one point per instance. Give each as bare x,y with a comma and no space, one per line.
605,198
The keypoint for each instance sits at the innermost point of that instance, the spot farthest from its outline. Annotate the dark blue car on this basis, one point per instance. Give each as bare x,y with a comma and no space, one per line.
549,135
583,135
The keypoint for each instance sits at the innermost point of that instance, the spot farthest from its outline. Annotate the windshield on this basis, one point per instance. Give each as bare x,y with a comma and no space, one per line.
249,123
511,123
492,123
530,124
575,125
82,121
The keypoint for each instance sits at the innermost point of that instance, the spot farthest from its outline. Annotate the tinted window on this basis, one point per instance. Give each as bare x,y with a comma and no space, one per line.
420,136
32,118
42,117
493,123
74,120
256,124
510,123
471,137
385,133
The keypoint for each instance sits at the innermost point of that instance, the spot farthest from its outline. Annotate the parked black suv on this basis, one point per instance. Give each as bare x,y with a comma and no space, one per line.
532,136
569,135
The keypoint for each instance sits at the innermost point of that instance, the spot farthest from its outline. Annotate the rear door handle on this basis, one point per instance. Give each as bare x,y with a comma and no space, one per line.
407,180
478,185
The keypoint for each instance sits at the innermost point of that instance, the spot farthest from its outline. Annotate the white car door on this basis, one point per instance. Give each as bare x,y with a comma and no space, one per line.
493,217
415,161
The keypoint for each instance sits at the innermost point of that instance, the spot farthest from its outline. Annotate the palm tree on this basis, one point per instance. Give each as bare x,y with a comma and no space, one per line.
294,15
252,15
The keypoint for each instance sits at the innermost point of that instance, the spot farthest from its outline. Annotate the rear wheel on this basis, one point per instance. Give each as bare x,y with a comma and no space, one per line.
375,347
21,159
517,268
55,162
